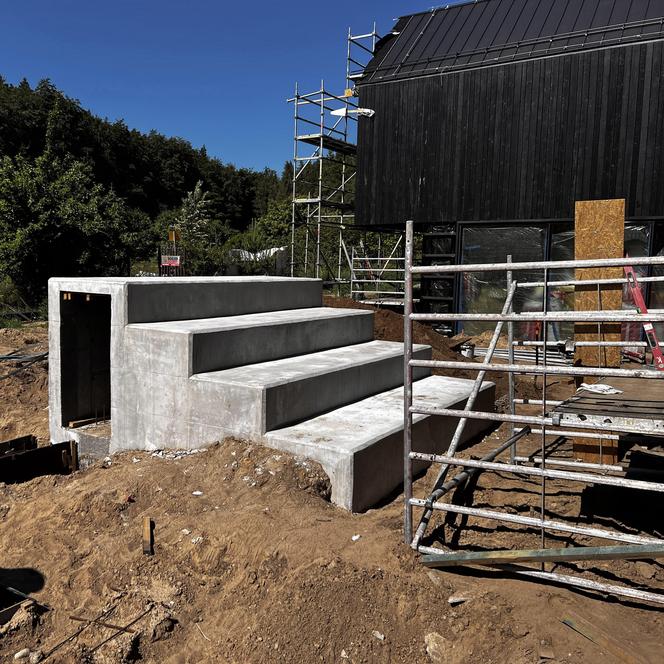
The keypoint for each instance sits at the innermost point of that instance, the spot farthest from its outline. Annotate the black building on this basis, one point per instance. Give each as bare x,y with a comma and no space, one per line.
493,117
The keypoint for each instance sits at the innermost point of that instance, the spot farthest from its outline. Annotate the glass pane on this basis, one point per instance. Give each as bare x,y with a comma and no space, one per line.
485,292
561,298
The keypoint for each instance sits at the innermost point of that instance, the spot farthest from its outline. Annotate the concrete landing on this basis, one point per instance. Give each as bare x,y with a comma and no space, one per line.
253,399
211,344
360,445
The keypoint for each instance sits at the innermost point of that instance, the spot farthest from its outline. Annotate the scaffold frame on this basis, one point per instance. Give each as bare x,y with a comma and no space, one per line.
572,470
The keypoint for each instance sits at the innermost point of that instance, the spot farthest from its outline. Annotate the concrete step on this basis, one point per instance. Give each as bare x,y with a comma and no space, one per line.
360,445
180,298
250,400
213,344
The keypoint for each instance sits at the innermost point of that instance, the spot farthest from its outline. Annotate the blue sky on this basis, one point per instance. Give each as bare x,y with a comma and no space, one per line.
214,73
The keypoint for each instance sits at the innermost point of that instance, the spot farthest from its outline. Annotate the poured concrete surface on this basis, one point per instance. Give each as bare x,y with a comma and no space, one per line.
250,400
152,299
224,342
190,361
360,446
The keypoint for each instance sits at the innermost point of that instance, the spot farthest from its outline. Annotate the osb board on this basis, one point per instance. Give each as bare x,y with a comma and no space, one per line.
599,229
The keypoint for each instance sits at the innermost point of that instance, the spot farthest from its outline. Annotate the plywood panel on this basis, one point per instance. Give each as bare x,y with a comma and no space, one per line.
599,232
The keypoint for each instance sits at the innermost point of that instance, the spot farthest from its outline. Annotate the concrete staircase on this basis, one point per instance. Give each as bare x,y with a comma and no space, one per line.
303,378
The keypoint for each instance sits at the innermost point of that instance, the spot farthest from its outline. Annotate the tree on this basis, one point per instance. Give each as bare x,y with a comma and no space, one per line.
194,218
55,220
274,226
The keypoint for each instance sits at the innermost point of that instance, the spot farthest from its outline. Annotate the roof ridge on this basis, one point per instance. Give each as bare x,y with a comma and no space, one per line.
449,5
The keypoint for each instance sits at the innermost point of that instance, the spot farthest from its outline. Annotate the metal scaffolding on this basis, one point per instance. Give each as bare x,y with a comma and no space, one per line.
553,420
325,130
322,175
378,279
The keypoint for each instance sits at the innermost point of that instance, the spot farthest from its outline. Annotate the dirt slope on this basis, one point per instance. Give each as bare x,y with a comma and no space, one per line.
260,568
24,397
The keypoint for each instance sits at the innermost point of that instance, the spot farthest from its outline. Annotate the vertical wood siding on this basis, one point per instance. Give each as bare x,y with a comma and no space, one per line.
517,141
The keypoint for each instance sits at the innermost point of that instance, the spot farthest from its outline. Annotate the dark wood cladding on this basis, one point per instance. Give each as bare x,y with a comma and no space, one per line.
518,141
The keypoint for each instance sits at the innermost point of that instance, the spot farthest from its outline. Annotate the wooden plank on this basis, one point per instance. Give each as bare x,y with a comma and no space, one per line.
599,229
148,536
74,424
629,552
604,640
21,444
73,456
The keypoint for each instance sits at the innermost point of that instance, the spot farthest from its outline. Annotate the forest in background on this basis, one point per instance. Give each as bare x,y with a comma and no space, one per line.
80,195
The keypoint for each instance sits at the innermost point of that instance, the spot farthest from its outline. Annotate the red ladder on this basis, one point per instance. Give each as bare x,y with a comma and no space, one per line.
651,336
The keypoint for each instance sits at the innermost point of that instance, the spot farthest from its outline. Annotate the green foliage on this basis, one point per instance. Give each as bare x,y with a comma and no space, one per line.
193,219
80,195
149,171
274,226
54,219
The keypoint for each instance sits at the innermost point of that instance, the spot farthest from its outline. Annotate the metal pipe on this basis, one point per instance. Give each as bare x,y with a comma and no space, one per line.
617,316
607,468
545,336
610,589
378,292
576,581
533,522
537,402
372,269
461,424
408,385
539,265
456,481
511,392
584,478
294,193
571,463
381,281
492,417
588,344
532,369
586,282
577,434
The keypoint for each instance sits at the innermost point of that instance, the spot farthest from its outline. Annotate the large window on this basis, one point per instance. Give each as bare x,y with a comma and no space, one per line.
486,291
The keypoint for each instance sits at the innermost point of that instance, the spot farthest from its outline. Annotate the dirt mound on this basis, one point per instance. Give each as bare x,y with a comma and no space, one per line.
24,396
388,326
259,567
31,337
483,340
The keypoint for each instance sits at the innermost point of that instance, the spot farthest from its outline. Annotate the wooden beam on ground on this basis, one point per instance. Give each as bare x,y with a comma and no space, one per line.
74,424
148,536
599,232
506,557
600,637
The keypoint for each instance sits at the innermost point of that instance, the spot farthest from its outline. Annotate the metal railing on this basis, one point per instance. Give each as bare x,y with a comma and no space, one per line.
376,279
549,422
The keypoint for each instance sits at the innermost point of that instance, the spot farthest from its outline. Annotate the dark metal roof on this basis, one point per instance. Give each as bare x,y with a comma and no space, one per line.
491,32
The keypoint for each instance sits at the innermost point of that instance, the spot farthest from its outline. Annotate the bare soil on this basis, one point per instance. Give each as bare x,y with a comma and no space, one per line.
260,567
24,396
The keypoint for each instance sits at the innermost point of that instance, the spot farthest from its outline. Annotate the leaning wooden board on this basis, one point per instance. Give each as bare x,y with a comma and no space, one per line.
599,232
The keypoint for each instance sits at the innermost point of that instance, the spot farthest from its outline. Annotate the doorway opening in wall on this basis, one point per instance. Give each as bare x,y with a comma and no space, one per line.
85,360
